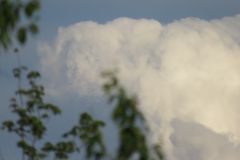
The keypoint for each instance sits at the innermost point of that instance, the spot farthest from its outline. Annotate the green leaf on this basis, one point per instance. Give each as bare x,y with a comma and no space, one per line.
22,144
16,72
31,7
9,125
33,28
33,75
48,147
21,35
5,39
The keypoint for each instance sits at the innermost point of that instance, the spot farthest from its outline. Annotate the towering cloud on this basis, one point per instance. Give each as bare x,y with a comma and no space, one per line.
186,75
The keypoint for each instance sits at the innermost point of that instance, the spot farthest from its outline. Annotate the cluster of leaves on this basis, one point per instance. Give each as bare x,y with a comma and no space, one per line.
30,124
126,115
130,122
61,150
88,132
31,114
17,19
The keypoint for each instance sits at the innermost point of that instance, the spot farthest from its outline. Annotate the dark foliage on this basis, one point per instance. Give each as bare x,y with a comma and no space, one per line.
17,20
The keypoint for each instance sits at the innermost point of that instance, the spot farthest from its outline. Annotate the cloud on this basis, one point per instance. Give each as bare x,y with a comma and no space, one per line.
187,70
194,141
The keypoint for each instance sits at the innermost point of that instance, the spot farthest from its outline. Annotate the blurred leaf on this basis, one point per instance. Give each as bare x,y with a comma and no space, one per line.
31,7
33,75
8,124
33,28
21,35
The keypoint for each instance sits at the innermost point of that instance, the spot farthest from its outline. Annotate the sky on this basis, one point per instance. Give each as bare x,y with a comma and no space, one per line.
180,57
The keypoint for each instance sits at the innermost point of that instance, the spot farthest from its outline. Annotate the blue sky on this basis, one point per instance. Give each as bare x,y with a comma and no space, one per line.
62,13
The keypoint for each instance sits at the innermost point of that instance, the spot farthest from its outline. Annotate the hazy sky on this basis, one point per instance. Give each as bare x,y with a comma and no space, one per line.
197,100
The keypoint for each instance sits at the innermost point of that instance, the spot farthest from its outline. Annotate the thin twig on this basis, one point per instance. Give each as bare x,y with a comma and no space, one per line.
19,95
19,64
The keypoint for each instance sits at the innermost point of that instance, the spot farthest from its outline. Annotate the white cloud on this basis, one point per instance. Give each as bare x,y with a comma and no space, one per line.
194,141
187,70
